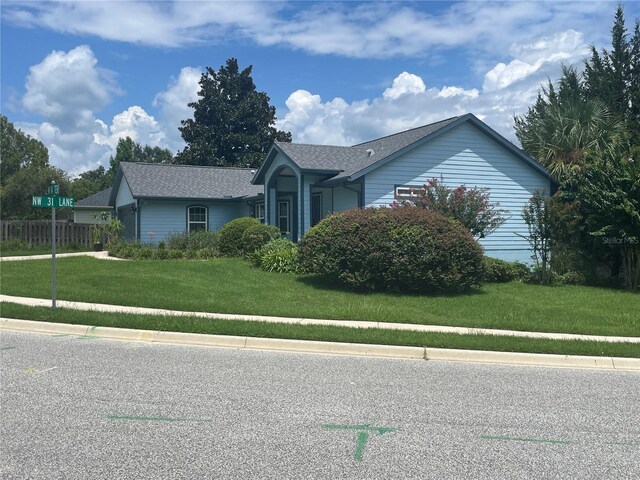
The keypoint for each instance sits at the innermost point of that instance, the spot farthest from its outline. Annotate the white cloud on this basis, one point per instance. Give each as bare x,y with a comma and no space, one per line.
66,88
134,122
173,104
371,30
403,84
507,91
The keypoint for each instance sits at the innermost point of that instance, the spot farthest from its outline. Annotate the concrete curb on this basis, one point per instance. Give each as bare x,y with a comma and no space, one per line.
305,346
104,255
97,307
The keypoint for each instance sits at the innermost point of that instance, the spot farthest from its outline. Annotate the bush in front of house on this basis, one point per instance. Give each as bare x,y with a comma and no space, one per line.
501,271
258,235
142,251
231,241
193,241
279,255
402,250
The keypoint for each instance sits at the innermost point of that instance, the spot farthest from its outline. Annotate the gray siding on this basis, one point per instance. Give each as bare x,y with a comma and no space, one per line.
159,219
465,155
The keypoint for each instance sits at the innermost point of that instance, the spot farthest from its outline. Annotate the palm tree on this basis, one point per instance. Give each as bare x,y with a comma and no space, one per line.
565,136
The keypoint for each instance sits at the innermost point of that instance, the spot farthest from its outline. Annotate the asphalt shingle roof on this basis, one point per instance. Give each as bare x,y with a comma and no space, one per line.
188,181
349,160
100,199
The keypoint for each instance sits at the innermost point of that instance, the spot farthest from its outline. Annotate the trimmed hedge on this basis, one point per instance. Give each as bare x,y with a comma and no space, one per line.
402,250
279,255
231,241
257,236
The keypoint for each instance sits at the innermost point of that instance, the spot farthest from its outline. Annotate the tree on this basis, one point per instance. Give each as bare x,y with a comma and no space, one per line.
609,200
25,171
565,135
537,215
18,150
129,150
233,124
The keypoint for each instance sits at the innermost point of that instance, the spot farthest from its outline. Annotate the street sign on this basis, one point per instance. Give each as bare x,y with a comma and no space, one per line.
54,189
48,201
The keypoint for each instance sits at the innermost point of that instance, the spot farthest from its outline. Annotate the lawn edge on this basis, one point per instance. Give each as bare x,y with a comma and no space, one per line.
330,348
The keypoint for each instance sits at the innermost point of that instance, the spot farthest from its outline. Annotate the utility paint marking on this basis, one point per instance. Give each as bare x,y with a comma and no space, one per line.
9,347
362,435
46,370
535,440
156,419
30,370
87,337
60,335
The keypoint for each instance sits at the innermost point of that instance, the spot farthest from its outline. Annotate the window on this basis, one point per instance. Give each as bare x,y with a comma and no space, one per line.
258,212
403,193
197,219
283,217
316,208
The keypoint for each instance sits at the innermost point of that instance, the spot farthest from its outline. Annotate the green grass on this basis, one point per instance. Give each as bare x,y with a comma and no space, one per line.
40,250
232,286
322,333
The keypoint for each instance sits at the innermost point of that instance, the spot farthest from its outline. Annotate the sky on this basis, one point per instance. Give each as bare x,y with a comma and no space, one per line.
79,75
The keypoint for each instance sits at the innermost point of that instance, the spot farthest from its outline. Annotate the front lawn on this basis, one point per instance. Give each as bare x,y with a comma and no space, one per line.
230,285
323,333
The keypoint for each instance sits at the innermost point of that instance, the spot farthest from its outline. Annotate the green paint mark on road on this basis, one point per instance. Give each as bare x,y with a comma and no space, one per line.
362,435
87,337
60,335
515,439
9,347
156,419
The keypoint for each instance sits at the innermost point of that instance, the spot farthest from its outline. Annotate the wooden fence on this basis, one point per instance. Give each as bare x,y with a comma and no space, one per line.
38,232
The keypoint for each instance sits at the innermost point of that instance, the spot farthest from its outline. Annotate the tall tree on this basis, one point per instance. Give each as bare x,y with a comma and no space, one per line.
129,150
233,124
18,150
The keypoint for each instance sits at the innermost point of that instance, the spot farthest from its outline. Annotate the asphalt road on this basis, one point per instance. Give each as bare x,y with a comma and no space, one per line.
83,408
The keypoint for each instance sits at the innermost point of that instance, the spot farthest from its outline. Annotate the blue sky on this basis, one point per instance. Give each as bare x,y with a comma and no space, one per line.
79,75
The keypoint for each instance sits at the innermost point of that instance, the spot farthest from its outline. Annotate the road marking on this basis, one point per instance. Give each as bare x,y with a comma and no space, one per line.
46,370
30,370
60,335
156,419
87,337
362,435
516,439
9,347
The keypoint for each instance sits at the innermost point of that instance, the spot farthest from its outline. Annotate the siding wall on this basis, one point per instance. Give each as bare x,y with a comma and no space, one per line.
159,219
465,155
345,198
124,196
86,215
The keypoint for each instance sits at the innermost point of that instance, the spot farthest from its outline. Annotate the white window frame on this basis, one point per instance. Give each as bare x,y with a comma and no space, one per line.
404,192
197,222
288,216
258,211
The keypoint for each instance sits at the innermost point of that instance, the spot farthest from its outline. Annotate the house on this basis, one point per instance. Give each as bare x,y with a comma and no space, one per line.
155,200
94,209
298,185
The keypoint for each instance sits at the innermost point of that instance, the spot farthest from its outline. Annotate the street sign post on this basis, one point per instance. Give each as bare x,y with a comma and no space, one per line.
53,201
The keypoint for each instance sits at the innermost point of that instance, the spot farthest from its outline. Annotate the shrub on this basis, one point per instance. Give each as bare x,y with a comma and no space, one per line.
230,242
403,249
279,255
537,215
258,235
14,244
572,278
469,206
193,241
501,271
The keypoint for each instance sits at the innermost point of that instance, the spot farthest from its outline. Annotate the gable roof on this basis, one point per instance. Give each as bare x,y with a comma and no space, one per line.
349,163
100,199
190,182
